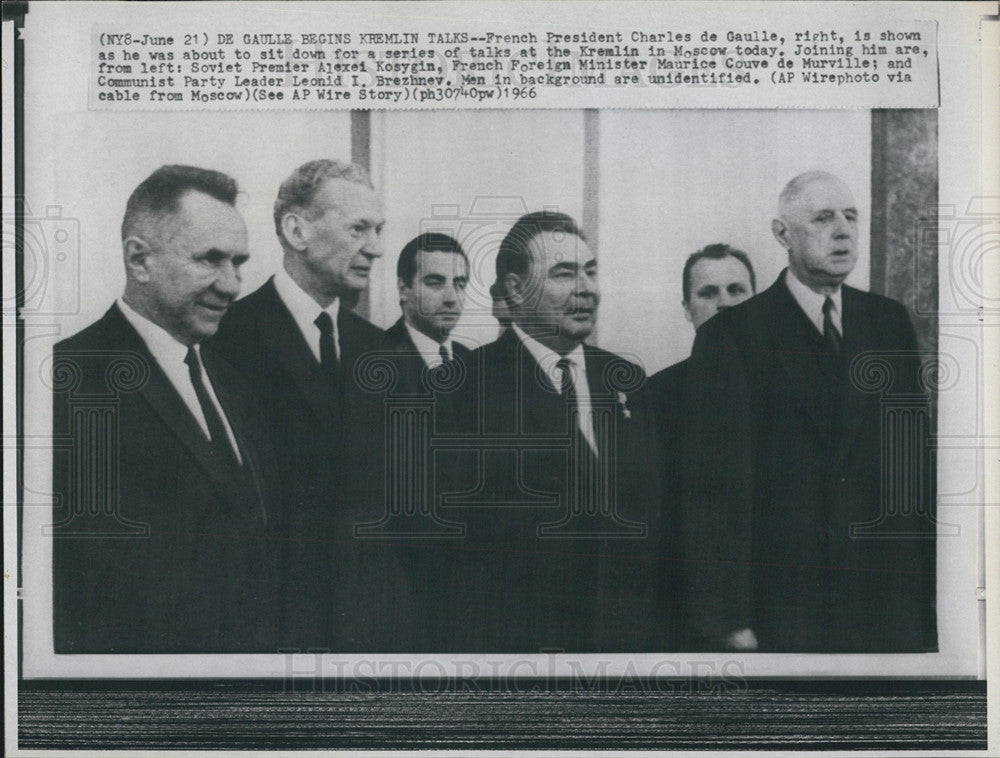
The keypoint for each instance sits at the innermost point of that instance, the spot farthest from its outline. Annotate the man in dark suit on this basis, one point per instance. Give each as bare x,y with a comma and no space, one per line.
432,397
165,493
714,278
304,349
802,532
567,529
431,276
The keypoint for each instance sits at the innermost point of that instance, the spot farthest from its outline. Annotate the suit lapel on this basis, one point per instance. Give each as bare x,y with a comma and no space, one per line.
794,342
164,400
410,362
398,336
242,428
462,353
600,396
352,342
857,338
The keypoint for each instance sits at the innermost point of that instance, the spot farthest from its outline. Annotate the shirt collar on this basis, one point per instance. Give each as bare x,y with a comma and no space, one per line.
547,358
165,347
811,302
301,305
429,349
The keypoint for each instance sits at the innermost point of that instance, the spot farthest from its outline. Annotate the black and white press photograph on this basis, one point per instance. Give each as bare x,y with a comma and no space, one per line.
635,404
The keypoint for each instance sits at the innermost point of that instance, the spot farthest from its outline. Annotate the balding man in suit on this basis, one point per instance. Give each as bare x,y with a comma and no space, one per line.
166,511
799,534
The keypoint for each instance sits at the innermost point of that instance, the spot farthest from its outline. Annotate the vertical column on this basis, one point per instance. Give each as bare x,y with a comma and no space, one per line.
361,154
591,221
904,253
904,266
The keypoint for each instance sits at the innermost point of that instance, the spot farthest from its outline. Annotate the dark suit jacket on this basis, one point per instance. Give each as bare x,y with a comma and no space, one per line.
665,391
785,456
411,363
438,556
453,398
666,394
344,593
157,548
541,578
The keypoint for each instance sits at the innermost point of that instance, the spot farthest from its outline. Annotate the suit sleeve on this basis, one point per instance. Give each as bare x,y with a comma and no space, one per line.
717,487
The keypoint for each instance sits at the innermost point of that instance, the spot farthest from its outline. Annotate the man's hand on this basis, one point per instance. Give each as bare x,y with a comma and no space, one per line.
742,641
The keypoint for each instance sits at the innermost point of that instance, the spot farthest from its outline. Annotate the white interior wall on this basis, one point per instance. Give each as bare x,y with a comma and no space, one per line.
470,174
92,185
672,182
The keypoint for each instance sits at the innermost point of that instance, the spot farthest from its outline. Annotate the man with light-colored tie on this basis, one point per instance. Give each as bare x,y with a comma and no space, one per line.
163,536
807,515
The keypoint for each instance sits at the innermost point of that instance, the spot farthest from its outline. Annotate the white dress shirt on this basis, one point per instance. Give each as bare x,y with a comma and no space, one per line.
170,355
305,310
547,360
429,349
812,302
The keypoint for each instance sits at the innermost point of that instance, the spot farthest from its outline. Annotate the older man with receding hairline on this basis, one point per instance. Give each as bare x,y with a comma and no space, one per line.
792,539
299,340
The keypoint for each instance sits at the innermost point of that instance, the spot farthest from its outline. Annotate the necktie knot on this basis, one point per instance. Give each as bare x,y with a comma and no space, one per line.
565,375
445,355
212,415
324,322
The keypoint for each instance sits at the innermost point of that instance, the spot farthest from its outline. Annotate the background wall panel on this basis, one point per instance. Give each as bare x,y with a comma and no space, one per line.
471,174
675,181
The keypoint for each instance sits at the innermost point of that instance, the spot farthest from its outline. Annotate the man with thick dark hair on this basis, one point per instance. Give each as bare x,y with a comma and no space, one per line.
432,396
165,517
568,548
808,513
431,276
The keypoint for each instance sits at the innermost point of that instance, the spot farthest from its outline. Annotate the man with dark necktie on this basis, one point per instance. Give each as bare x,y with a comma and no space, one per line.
163,536
298,340
431,276
565,526
808,516
432,397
